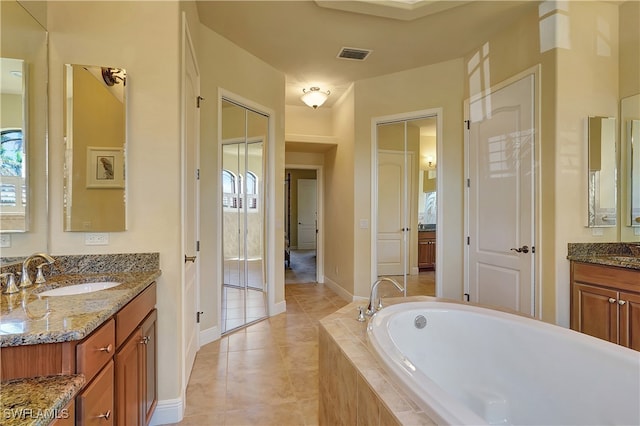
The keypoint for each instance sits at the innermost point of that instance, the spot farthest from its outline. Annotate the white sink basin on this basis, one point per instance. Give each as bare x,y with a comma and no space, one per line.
80,288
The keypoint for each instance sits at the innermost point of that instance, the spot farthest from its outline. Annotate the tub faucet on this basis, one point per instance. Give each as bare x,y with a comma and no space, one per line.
372,308
25,281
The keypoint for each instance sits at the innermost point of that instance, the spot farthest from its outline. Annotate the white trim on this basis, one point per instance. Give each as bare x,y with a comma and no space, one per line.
320,211
293,137
168,411
209,335
278,308
415,115
340,291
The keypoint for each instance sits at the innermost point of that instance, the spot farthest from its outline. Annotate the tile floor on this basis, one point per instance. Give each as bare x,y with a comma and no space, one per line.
267,373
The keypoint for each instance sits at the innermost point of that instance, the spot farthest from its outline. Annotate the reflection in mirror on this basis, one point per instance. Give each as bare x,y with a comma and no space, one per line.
244,139
602,172
633,133
630,167
95,133
23,123
13,161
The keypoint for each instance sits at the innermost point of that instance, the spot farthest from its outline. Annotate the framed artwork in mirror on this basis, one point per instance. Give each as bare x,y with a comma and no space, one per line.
105,167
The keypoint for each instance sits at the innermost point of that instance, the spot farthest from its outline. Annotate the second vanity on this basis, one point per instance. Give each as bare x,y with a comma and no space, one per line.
605,292
103,343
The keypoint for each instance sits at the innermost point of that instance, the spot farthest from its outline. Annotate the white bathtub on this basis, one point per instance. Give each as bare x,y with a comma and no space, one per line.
471,365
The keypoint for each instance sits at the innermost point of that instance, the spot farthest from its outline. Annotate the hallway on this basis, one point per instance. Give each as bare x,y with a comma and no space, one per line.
266,374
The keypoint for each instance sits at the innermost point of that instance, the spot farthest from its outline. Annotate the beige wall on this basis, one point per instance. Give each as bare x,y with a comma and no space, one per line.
83,33
424,88
11,110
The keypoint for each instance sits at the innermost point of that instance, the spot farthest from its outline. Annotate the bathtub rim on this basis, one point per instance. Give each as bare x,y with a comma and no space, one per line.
458,413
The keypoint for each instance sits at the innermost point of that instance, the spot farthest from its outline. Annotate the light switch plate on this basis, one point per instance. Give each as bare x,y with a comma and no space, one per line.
5,240
96,239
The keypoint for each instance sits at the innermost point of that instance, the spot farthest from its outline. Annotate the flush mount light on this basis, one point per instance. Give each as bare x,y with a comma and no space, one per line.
314,97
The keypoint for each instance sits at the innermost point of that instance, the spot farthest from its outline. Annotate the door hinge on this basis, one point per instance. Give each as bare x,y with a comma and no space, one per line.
467,124
468,183
198,100
467,297
198,314
197,245
197,174
468,240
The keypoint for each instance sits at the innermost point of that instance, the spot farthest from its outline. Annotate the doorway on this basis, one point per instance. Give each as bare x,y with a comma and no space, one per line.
405,206
244,290
501,197
303,224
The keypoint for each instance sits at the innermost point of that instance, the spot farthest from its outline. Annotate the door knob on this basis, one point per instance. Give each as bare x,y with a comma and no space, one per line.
523,249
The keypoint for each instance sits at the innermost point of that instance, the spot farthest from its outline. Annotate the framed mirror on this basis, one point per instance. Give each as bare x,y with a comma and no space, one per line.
95,141
630,167
23,124
602,172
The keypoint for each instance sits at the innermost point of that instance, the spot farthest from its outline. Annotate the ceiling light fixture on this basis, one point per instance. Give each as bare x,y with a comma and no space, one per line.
314,97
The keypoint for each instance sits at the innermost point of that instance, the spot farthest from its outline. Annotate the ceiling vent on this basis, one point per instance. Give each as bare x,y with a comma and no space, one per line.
354,54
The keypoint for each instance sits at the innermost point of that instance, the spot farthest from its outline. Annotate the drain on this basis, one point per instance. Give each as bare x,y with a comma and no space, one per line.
420,322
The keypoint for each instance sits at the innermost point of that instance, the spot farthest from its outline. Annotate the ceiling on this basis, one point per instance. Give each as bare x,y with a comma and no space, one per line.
302,38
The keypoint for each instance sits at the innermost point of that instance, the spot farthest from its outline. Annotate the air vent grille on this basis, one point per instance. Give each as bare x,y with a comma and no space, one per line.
354,54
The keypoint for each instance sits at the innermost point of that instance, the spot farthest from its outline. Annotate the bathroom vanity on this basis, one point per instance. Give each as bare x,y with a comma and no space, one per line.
426,249
107,339
605,296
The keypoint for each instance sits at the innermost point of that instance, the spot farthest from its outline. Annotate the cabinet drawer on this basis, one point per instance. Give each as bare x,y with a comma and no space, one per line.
129,317
94,406
96,350
67,417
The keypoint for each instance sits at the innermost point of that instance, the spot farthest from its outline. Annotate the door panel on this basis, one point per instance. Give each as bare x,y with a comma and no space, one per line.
501,194
391,213
307,214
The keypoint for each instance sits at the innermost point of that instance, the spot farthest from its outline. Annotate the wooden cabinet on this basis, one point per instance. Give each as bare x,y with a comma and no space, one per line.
605,303
426,250
95,402
136,375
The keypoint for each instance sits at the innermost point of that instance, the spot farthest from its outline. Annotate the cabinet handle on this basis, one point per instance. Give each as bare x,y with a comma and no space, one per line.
612,300
105,415
621,302
145,340
107,348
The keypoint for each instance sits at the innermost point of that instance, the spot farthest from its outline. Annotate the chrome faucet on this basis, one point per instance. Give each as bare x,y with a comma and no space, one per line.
373,308
10,286
25,281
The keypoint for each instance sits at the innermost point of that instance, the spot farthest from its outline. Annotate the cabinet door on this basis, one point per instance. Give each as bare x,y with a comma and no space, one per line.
95,402
148,368
629,304
595,311
128,386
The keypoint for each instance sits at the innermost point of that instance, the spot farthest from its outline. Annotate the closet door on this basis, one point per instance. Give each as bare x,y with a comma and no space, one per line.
244,286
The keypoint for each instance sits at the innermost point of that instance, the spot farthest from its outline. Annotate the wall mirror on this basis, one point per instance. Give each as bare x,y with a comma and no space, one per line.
602,172
95,138
23,123
630,166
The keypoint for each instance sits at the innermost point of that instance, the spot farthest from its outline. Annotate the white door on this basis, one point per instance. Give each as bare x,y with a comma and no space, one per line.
307,214
501,197
190,135
393,208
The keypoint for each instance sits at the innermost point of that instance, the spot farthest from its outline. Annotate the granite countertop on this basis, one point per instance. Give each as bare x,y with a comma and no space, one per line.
27,318
622,255
37,401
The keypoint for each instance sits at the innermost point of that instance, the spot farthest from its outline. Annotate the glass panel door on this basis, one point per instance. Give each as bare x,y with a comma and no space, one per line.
244,288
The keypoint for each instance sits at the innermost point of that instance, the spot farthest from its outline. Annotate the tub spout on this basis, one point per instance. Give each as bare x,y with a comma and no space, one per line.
373,308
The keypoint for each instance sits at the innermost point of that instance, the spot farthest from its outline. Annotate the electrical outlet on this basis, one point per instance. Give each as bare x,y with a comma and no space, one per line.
5,240
96,239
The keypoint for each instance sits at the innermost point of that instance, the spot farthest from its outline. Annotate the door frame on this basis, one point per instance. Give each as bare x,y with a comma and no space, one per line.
537,181
320,208
387,119
270,245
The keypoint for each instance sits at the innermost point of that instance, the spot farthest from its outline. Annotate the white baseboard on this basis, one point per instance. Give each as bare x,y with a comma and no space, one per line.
168,411
278,308
415,270
344,294
209,335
